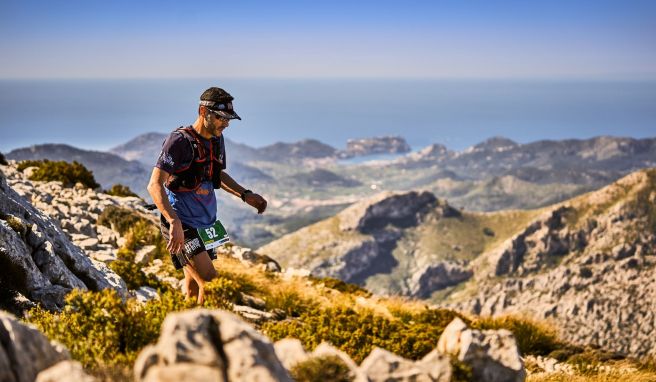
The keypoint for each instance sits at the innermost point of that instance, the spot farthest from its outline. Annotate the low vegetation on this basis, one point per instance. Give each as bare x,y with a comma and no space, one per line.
120,190
321,369
105,333
69,174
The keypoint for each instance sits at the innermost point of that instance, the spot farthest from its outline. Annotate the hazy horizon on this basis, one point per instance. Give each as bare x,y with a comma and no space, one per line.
100,114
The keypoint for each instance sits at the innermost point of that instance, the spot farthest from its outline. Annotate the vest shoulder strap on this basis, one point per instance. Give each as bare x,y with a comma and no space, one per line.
196,144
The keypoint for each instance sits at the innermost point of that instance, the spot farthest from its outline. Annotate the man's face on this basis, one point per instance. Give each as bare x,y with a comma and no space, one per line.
215,123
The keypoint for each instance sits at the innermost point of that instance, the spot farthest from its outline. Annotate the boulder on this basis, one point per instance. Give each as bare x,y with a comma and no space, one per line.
24,351
326,350
492,354
65,371
290,352
383,366
145,294
145,254
213,345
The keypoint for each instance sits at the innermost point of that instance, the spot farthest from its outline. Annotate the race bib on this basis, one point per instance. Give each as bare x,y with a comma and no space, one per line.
213,236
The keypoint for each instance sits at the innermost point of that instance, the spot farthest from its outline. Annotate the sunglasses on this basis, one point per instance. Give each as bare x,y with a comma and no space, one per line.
217,115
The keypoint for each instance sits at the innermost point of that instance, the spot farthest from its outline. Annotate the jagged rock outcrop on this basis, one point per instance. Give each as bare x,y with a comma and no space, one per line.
492,354
24,351
375,145
587,265
203,345
362,242
432,277
37,258
383,366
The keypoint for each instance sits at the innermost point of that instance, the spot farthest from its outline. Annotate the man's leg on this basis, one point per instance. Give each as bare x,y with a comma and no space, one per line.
201,271
190,285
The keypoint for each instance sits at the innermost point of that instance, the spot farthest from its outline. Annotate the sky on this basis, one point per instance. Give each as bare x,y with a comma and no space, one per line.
324,39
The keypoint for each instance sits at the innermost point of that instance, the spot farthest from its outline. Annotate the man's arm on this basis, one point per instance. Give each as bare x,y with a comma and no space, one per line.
157,192
231,186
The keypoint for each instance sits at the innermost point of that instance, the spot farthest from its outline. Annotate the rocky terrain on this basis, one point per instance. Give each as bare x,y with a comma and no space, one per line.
38,259
586,263
51,242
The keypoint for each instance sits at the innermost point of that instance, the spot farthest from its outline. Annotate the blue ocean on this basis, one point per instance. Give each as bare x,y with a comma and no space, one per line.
100,114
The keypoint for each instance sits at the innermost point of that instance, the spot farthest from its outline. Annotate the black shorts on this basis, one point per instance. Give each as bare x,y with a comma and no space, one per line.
193,245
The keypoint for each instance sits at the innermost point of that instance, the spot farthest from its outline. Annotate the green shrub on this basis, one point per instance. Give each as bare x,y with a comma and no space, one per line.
3,161
221,293
99,329
119,219
22,165
321,369
356,333
461,371
67,173
134,277
289,301
120,190
532,337
340,285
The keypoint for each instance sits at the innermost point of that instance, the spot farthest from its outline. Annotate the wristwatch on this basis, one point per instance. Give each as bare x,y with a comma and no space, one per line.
243,194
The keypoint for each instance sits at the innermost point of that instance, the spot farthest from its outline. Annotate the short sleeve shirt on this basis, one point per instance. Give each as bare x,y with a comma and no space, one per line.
196,209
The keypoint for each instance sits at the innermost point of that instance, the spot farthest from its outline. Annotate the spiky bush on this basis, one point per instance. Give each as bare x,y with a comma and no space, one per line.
221,293
321,369
98,328
340,285
135,278
120,190
120,219
61,171
356,333
533,337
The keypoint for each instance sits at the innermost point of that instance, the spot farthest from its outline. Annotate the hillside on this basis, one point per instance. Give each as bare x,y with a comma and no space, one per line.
132,323
588,264
587,259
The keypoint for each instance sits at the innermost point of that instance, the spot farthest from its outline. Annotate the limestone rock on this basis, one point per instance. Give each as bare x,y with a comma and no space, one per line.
325,349
44,264
209,344
383,366
290,352
492,354
65,371
145,294
433,277
145,254
24,351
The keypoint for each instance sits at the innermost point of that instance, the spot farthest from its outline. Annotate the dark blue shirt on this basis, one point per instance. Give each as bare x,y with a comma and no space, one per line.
197,208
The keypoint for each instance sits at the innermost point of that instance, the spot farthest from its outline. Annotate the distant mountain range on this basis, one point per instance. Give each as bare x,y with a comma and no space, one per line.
307,180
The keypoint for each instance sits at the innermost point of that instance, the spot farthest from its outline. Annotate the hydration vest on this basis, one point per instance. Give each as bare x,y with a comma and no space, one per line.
204,165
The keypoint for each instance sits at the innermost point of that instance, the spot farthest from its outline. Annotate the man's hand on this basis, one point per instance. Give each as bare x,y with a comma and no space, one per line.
256,201
176,239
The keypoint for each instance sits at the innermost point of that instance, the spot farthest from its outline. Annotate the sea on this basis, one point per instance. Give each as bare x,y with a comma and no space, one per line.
99,114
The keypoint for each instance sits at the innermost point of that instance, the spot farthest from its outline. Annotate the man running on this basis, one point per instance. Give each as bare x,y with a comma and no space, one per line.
191,165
